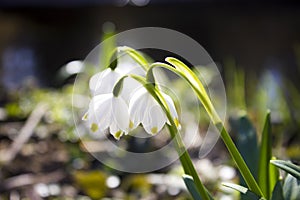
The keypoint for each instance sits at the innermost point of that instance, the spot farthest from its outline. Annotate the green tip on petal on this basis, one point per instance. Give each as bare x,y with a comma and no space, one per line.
176,121
118,134
154,130
85,116
94,127
131,124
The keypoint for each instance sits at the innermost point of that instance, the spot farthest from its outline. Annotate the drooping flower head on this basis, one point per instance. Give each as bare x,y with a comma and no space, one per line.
131,106
144,109
107,111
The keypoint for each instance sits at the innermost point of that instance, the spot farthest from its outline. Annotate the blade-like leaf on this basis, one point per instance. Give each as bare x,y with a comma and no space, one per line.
235,84
191,185
189,182
246,139
245,192
287,166
107,47
277,193
291,188
264,157
274,176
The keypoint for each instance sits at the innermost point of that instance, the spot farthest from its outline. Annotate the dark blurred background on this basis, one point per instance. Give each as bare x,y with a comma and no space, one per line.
38,37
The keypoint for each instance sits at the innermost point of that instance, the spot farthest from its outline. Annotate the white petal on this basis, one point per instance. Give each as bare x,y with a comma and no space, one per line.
97,78
126,63
103,83
137,105
120,114
137,70
154,119
94,80
130,87
97,100
171,107
100,111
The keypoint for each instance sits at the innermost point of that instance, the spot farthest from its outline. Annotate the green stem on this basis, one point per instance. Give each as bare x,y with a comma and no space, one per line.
188,75
183,71
184,157
187,163
242,166
136,56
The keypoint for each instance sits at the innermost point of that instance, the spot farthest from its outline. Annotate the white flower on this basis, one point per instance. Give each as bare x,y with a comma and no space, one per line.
107,111
110,111
103,82
144,109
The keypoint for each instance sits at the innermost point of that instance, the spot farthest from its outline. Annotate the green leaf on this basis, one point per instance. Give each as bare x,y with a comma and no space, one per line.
264,157
246,139
287,166
107,47
192,188
274,176
189,182
245,192
291,188
277,193
235,84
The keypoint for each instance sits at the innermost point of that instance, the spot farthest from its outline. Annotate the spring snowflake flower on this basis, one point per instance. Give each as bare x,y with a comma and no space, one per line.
131,106
104,81
107,111
144,109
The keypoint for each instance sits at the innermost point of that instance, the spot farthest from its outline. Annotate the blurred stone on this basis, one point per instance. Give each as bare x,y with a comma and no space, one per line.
113,181
54,189
3,114
68,191
28,149
42,190
173,191
206,169
78,163
226,173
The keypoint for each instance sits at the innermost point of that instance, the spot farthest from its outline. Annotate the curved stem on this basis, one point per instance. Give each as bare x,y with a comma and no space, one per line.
136,56
188,75
132,53
195,84
184,157
187,163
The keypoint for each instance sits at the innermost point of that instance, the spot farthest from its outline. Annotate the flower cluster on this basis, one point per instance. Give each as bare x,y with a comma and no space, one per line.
134,105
